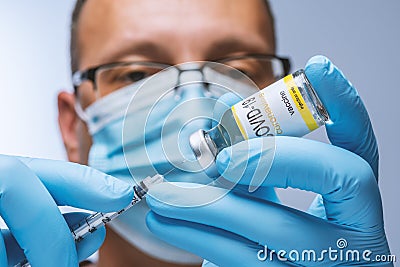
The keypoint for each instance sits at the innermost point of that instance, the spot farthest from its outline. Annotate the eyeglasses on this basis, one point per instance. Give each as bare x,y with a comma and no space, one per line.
262,69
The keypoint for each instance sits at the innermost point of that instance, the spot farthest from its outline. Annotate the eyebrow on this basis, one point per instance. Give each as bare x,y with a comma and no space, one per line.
150,50
144,49
233,45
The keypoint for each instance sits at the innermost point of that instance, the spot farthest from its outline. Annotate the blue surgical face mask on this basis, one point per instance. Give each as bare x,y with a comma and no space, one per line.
143,129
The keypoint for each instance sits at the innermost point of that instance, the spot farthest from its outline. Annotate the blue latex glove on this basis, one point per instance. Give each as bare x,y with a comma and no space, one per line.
234,230
31,190
351,128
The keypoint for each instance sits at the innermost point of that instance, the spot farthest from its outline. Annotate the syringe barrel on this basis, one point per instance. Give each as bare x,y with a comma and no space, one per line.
96,220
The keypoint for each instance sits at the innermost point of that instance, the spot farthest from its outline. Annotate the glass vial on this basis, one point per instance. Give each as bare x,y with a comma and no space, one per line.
288,107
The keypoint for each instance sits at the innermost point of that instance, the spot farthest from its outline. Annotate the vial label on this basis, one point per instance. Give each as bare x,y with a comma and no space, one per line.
279,109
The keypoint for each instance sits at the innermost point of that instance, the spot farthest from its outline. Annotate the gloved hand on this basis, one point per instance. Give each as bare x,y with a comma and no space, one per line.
31,189
242,230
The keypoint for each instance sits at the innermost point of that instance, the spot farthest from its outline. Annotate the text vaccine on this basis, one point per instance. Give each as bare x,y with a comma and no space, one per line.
288,107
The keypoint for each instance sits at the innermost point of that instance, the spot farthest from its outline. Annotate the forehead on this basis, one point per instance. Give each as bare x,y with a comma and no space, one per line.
108,26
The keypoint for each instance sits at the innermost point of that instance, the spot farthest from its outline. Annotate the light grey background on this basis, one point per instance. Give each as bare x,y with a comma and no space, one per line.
361,37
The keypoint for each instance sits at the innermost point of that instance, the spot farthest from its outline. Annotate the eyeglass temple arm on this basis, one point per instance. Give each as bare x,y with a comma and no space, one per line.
79,77
286,65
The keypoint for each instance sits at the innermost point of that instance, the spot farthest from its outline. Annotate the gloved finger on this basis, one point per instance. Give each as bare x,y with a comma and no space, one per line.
3,249
221,247
92,242
33,217
263,222
81,186
351,128
85,247
13,252
344,179
224,103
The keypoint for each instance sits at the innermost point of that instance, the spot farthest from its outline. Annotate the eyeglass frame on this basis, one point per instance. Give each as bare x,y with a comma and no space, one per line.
78,77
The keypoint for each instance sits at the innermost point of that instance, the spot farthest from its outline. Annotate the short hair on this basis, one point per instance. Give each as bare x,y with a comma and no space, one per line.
74,49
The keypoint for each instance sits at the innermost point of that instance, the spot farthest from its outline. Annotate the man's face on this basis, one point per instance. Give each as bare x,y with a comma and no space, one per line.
173,31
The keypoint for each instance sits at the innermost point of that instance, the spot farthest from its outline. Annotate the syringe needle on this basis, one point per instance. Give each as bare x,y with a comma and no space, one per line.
168,172
96,220
174,168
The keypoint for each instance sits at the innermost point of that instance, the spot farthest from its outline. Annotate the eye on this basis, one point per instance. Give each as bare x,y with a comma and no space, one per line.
116,77
237,73
259,70
134,76
122,75
134,73
244,71
246,67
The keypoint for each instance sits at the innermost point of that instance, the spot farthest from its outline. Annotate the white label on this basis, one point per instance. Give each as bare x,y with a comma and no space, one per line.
278,109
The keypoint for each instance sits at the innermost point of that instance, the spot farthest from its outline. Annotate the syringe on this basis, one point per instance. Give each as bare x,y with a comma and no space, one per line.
96,220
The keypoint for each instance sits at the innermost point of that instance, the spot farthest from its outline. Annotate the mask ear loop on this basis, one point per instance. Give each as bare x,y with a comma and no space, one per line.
81,114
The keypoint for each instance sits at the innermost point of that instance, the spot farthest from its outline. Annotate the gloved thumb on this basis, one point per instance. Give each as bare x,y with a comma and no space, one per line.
85,247
351,128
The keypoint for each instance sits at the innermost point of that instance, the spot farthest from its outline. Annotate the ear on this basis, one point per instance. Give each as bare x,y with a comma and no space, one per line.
68,121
